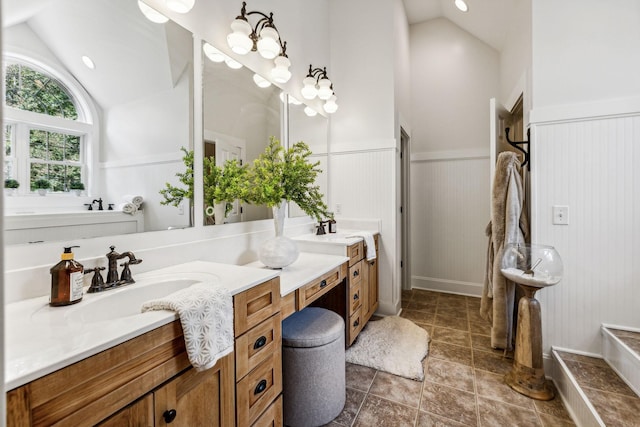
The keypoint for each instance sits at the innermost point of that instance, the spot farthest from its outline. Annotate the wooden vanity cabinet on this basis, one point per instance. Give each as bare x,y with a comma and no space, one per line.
132,384
258,355
362,297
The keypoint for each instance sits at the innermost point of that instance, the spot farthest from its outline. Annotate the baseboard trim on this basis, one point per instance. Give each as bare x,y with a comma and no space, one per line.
446,285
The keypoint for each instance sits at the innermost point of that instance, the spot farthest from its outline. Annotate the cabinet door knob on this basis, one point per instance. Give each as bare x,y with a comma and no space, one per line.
260,342
356,297
356,273
169,415
356,323
323,284
262,385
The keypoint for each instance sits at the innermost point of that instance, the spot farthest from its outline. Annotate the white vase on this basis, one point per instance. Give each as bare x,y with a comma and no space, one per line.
279,251
42,191
219,211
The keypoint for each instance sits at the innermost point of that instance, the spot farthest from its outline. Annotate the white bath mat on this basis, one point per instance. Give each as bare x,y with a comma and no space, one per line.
392,344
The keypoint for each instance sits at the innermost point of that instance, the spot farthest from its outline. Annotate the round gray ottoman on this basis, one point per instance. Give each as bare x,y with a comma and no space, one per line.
313,367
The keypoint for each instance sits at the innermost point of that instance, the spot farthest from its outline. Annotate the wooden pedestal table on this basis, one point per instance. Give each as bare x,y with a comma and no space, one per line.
527,374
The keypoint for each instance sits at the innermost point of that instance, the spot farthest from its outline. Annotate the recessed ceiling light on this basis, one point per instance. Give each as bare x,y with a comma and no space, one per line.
462,5
88,62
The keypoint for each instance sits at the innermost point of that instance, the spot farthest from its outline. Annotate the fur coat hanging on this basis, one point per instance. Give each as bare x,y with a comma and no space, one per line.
508,224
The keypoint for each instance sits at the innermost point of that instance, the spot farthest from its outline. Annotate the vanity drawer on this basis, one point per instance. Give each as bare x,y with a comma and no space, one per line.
314,290
355,274
288,305
355,298
256,391
355,325
272,417
255,305
355,252
257,345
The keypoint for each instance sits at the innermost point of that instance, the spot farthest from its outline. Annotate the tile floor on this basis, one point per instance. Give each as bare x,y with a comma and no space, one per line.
463,377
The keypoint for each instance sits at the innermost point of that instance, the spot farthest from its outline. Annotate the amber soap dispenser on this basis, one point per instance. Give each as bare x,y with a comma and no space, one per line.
66,280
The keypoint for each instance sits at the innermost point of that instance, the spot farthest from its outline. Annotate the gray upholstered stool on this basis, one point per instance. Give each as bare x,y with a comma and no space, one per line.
313,367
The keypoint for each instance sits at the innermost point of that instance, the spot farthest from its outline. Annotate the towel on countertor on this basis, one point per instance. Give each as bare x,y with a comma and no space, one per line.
128,208
206,314
136,200
368,241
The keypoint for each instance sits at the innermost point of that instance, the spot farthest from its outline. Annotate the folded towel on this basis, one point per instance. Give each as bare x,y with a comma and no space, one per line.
206,314
130,198
128,208
369,243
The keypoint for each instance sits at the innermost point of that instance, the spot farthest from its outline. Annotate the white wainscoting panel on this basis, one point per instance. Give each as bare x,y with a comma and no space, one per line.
363,184
591,166
449,214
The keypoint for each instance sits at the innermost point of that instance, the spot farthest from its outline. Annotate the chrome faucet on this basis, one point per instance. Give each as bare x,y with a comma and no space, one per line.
112,272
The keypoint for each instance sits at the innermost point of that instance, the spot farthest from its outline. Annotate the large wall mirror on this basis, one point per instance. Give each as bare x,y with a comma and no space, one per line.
239,119
135,114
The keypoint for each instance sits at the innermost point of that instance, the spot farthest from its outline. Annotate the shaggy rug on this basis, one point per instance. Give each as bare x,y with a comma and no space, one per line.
392,344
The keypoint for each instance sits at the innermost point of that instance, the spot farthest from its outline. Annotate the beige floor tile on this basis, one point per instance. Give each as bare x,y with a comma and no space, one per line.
491,362
492,386
450,352
450,403
494,413
452,336
397,389
426,419
450,374
453,322
480,328
418,316
351,407
359,377
551,421
615,409
376,411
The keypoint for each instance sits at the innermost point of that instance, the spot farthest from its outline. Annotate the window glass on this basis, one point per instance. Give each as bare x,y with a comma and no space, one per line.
30,90
55,157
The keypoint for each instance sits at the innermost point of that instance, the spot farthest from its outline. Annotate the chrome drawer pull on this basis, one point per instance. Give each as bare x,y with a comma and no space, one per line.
262,385
260,342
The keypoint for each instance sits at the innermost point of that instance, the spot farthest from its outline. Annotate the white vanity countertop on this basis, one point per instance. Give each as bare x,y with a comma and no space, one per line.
40,339
341,238
307,267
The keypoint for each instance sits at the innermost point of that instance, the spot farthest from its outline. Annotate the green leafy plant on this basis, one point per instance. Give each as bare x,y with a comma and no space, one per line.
41,184
76,186
287,174
224,183
11,183
174,195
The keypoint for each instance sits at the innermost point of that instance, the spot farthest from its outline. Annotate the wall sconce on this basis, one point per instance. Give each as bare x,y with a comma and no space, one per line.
263,38
215,55
318,84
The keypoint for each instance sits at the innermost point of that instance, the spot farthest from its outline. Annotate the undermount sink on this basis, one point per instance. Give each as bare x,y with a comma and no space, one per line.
127,300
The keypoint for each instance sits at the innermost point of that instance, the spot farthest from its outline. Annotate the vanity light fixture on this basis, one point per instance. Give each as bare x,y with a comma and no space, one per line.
263,38
180,6
260,81
317,83
232,63
151,14
461,5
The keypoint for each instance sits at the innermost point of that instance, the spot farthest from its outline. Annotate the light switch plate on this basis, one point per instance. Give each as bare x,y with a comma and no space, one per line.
561,215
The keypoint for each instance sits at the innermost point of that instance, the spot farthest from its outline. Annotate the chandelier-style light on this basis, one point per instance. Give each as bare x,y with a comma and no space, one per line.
262,38
317,83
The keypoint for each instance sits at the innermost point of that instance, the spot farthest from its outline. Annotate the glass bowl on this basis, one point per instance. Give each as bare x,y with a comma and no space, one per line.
531,264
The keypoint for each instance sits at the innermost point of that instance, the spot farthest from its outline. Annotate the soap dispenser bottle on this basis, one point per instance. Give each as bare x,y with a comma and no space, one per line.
66,280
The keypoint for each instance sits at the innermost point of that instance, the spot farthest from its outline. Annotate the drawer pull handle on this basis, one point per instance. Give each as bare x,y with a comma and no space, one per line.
323,284
356,323
169,415
262,385
356,297
356,273
260,342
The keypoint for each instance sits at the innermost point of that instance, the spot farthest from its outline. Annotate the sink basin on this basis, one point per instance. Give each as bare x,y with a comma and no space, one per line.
126,301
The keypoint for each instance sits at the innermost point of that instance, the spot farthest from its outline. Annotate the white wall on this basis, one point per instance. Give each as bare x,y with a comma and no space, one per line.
453,76
515,59
586,131
362,158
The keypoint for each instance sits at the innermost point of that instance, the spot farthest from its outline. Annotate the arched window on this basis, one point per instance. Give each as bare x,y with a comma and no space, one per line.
45,129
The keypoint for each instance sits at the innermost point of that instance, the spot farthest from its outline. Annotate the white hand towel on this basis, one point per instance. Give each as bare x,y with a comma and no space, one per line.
206,314
128,208
369,243
136,200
